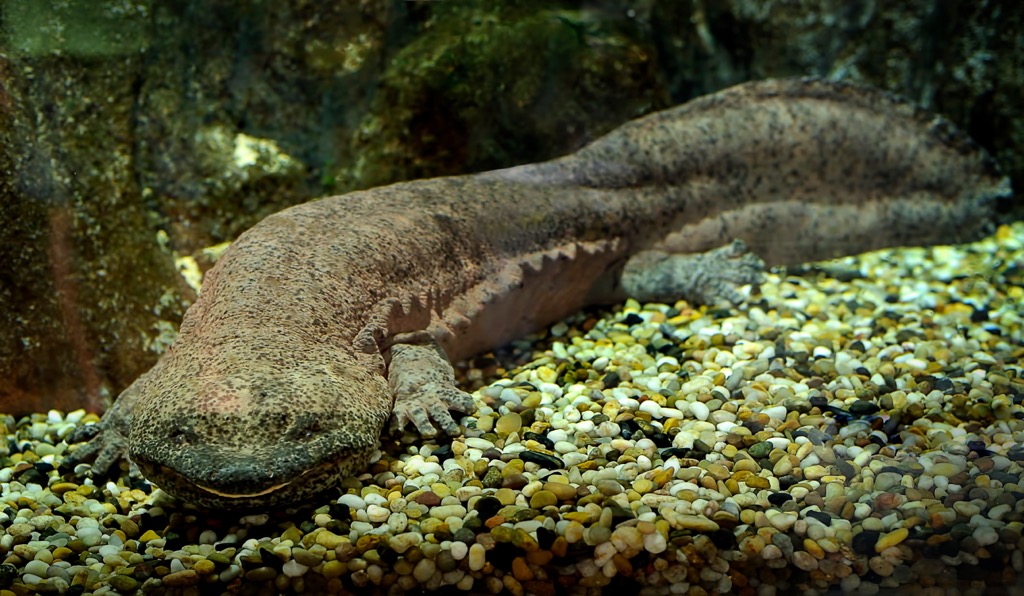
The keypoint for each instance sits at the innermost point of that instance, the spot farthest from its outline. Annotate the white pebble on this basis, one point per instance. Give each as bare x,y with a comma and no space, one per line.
608,429
377,514
36,568
352,500
293,568
256,519
986,535
655,543
700,410
651,407
671,413
478,443
998,511
558,435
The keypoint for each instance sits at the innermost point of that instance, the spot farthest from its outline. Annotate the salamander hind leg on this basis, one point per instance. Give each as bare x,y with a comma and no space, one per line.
711,277
423,381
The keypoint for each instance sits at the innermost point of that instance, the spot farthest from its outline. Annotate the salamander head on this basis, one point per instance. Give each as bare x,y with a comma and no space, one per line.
259,435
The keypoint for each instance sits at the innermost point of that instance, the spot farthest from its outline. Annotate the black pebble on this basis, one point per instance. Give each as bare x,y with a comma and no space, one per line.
487,507
753,427
628,428
269,558
1015,453
620,515
174,541
821,516
660,439
541,459
546,442
943,384
632,319
387,554
786,482
778,499
819,401
723,539
141,484
8,573
891,427
863,407
674,452
864,543
841,415
950,548
978,447
700,448
340,511
611,380
502,554
444,452
545,538
34,476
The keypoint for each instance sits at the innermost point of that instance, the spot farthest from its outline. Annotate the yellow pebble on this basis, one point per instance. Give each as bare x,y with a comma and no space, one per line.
333,569
148,535
758,482
577,516
814,549
329,540
539,557
559,547
661,476
542,499
643,485
62,487
508,424
203,567
505,496
891,539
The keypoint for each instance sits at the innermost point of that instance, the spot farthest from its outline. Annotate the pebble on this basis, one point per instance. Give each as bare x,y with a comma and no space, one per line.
477,557
891,539
700,410
845,438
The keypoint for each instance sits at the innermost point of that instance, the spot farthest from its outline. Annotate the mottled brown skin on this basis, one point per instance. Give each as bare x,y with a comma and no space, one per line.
278,384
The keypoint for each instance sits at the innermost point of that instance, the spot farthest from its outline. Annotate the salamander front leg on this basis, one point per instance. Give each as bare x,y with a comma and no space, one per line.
704,278
423,381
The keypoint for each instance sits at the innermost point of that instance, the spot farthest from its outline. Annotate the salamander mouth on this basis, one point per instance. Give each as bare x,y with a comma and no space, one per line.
173,482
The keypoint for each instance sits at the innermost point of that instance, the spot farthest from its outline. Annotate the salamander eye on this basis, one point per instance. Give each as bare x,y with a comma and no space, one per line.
306,428
181,436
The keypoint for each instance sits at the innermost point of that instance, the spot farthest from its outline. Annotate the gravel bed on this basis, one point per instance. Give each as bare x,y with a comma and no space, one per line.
857,427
